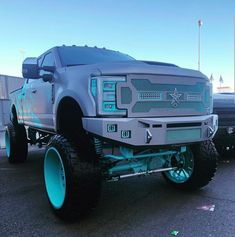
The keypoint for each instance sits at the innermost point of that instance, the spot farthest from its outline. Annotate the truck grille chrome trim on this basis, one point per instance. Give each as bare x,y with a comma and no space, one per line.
149,96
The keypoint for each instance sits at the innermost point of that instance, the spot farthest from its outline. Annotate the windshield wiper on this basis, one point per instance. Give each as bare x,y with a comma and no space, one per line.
71,65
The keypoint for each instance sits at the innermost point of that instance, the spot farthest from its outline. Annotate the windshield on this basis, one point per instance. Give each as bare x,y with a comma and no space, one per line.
71,56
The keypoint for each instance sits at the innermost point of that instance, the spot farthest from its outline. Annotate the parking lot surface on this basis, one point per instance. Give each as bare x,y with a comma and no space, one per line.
140,206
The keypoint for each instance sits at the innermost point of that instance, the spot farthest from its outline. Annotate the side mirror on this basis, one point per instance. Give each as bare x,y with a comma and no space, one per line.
48,68
47,77
46,73
30,68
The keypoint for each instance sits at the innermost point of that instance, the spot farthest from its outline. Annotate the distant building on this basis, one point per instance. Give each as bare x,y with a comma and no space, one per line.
7,84
223,89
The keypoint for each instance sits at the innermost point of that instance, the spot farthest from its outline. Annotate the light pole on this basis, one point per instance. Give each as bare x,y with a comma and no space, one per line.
221,81
199,42
22,52
211,78
234,60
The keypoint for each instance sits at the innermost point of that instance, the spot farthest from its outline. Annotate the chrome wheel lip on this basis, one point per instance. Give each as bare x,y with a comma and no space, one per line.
55,177
7,143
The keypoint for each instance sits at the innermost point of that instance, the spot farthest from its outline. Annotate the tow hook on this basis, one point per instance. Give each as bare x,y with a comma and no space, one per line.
210,132
149,136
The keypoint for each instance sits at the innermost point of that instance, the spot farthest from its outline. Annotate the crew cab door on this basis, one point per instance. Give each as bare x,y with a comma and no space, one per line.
41,93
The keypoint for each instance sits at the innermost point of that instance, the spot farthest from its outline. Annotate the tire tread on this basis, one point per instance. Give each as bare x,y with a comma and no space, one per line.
83,179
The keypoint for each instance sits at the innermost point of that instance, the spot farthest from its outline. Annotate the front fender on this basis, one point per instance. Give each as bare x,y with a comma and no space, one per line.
85,102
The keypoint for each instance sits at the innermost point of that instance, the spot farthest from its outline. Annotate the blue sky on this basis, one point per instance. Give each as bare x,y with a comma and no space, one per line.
160,30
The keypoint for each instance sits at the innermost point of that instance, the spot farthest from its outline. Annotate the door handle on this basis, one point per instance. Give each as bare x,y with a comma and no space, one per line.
34,91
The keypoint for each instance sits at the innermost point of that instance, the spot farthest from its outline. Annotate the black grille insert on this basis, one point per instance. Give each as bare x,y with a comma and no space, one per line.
183,125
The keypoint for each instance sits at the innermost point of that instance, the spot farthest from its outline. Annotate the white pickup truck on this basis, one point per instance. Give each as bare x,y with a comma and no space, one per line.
106,116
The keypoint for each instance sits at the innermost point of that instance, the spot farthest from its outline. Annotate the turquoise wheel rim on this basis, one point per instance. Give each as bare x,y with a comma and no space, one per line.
185,166
55,179
8,143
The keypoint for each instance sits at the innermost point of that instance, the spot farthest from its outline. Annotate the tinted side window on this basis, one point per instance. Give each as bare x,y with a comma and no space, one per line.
48,60
40,61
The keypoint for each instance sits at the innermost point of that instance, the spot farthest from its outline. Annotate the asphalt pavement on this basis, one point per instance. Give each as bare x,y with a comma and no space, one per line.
140,206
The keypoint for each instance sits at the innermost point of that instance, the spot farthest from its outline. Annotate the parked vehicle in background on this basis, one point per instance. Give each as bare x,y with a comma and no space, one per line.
224,107
106,116
7,84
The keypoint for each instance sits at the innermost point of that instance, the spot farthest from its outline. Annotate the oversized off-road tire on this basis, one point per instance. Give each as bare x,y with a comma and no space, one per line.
195,167
16,143
72,184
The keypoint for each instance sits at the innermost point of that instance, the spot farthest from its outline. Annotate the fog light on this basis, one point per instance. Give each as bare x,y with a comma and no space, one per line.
126,134
230,130
111,127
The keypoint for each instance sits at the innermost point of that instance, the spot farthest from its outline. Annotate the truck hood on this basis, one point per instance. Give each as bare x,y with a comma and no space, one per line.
134,67
138,67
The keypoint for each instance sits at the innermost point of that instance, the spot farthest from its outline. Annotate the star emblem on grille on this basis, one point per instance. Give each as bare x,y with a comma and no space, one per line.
175,98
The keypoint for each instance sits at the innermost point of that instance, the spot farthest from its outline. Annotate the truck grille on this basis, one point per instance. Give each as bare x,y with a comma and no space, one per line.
164,96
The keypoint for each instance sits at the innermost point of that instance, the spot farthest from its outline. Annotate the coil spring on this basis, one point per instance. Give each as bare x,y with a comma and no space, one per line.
98,147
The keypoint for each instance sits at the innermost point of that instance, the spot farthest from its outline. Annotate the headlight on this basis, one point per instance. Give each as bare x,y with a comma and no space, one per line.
103,90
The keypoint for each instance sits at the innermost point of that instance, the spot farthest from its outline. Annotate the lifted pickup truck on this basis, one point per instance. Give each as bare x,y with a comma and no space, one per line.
106,116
